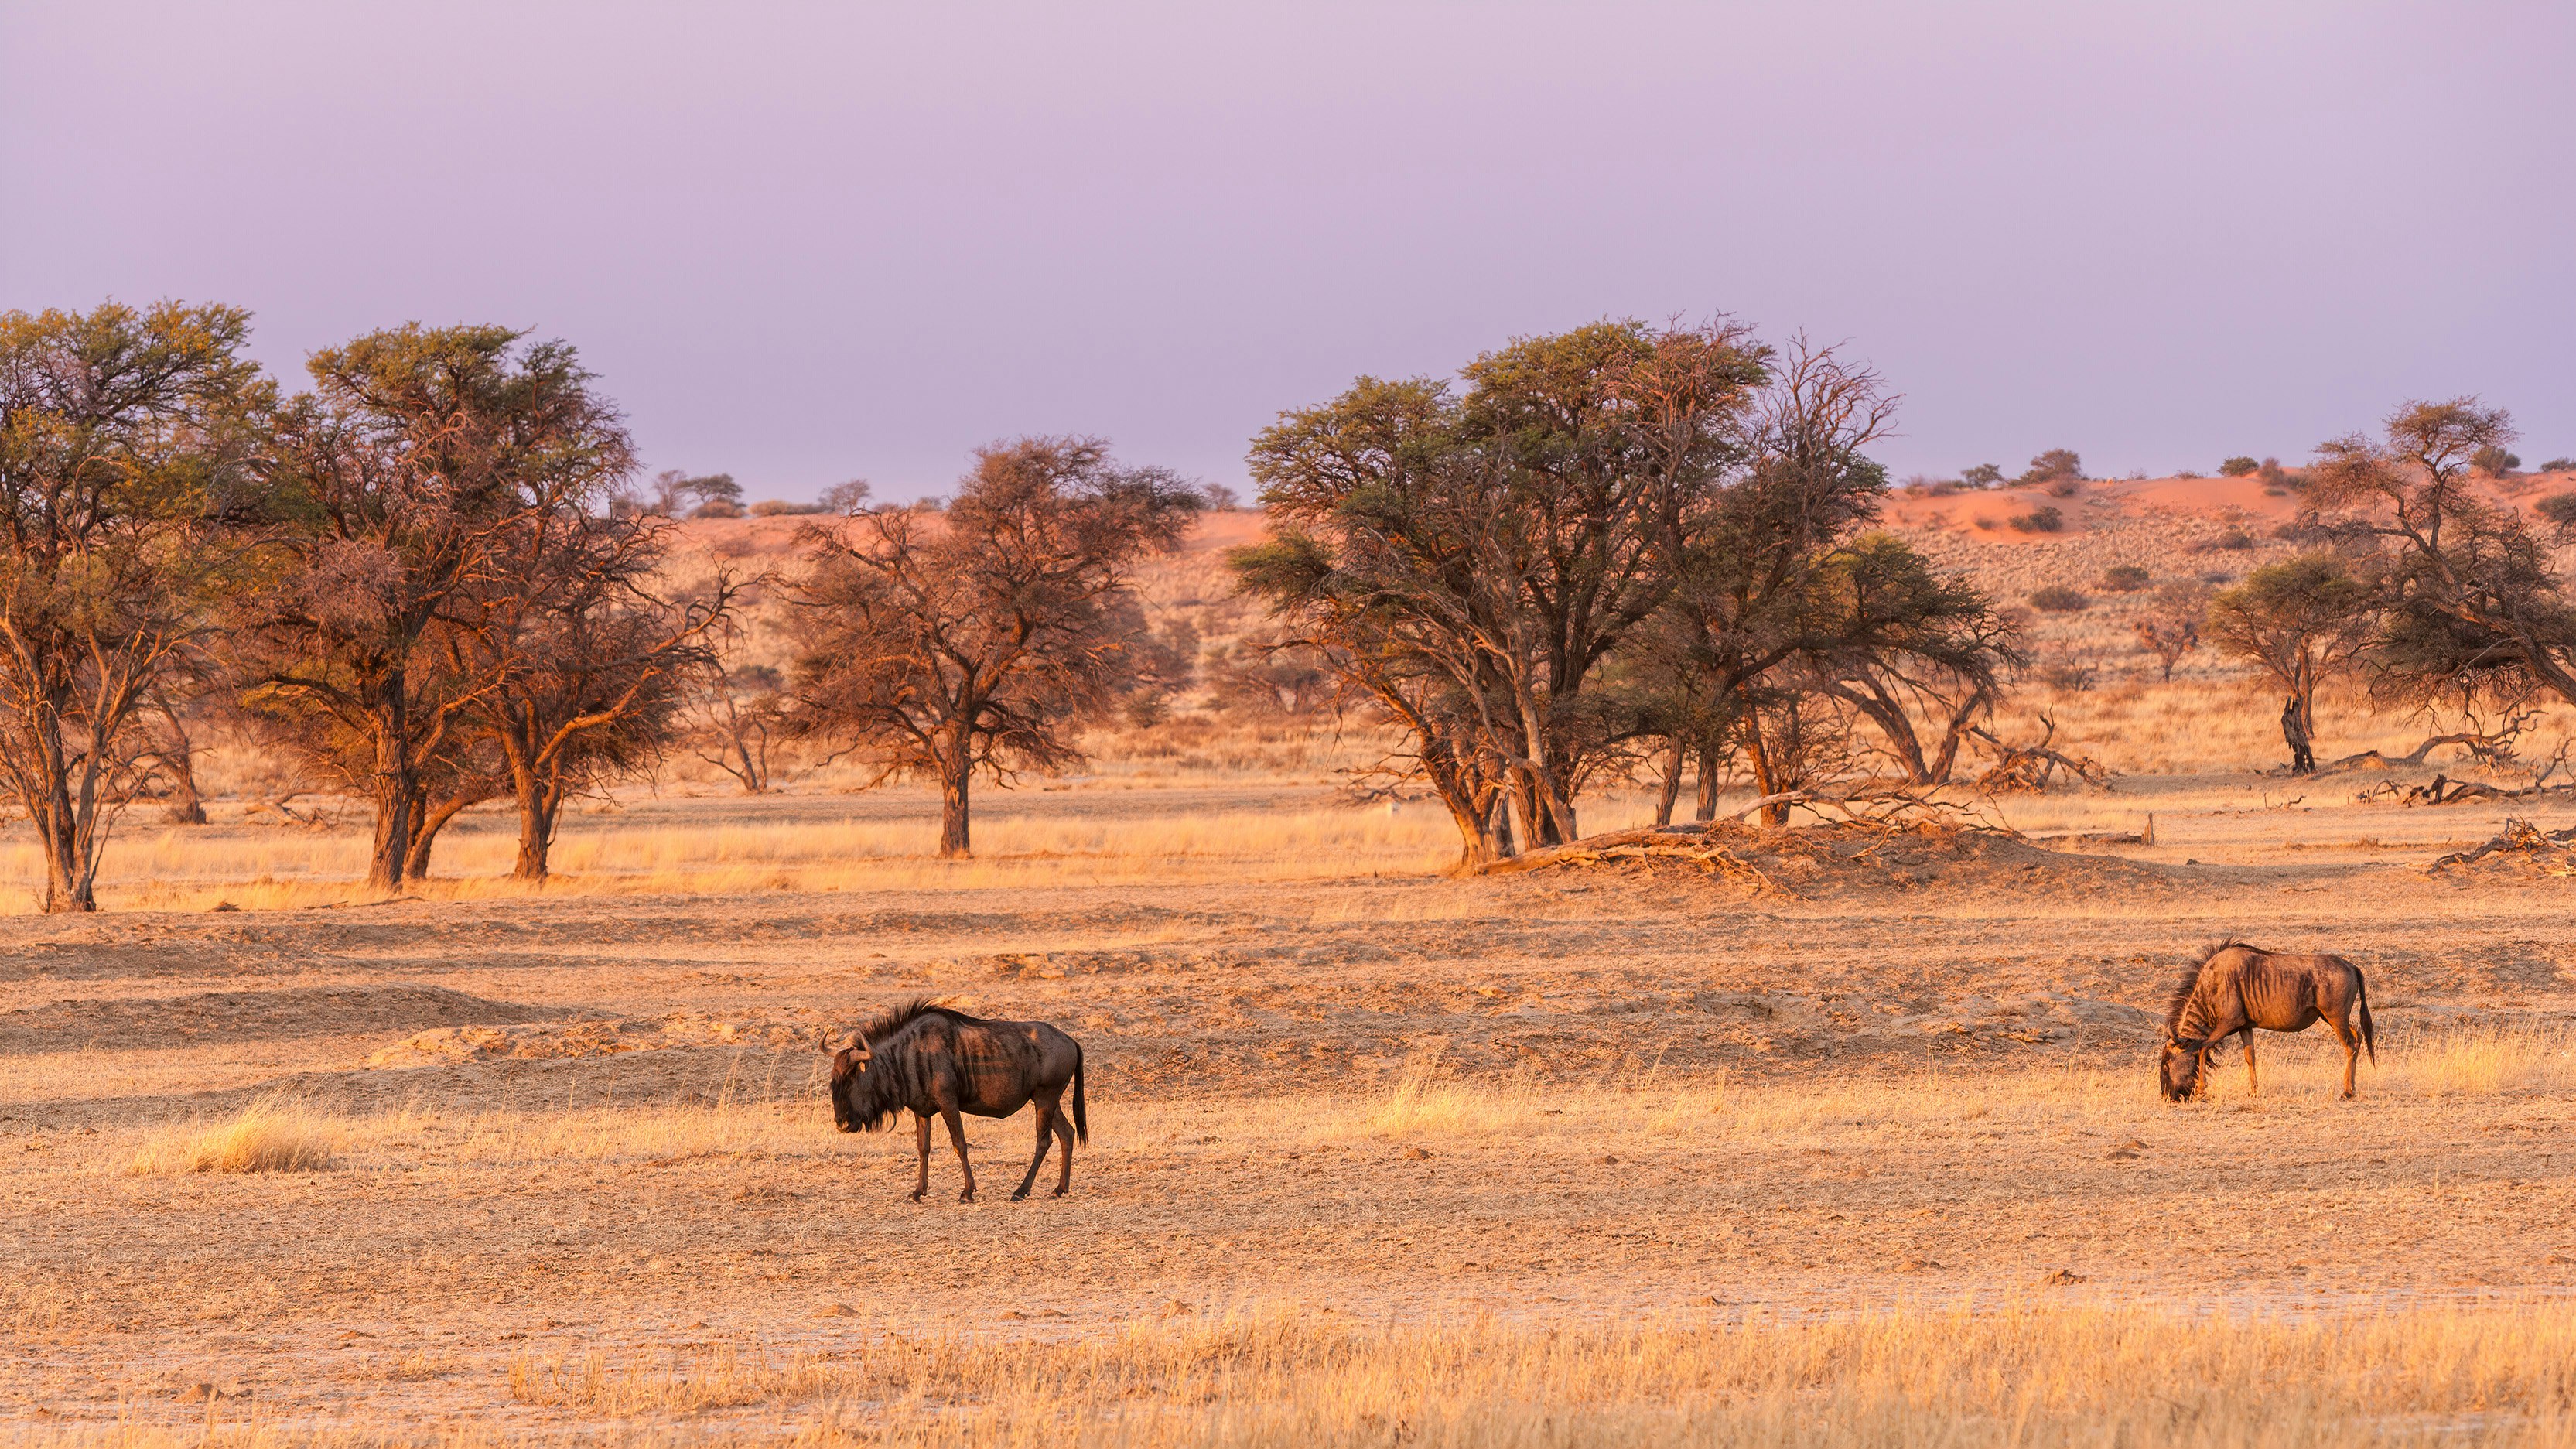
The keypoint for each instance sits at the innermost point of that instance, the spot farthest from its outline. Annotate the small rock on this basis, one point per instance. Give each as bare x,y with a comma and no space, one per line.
1609,1158
226,906
1015,1315
840,1310
1416,1153
2126,1151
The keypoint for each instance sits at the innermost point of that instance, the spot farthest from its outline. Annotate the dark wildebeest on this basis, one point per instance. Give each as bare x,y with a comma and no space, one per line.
932,1060
2234,988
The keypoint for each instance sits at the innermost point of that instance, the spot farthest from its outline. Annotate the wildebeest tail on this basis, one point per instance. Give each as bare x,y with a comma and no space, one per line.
2369,1037
1082,1124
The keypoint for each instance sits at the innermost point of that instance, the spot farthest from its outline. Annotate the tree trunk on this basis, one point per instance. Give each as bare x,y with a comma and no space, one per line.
395,789
69,886
1705,808
1757,753
429,820
538,811
956,773
186,806
1672,785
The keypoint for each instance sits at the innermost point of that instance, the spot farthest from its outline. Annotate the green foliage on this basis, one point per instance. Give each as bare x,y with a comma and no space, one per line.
2043,519
2301,621
2237,467
123,436
2053,465
2494,461
1984,475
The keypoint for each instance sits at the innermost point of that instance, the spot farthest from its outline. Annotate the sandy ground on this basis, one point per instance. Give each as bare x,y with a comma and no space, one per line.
596,1124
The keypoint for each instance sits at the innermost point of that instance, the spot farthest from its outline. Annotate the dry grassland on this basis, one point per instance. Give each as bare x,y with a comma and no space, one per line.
1623,1156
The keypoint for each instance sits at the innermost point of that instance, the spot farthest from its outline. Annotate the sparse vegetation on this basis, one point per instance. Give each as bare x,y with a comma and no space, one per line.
2059,599
273,1134
2043,519
2126,578
2237,467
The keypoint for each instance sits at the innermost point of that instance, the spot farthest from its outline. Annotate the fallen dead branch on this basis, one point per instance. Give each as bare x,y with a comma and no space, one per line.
1884,812
2443,790
2493,749
1653,842
2553,850
2031,769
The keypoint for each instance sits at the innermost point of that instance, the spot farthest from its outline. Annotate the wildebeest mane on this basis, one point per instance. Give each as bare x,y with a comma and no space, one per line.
890,1022
877,1095
2190,980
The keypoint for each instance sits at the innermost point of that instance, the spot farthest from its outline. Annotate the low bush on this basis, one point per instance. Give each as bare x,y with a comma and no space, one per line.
2493,461
2559,465
2126,579
775,507
2237,467
2059,599
2042,519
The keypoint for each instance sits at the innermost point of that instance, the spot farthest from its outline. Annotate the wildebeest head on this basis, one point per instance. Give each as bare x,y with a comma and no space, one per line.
859,1097
2182,1068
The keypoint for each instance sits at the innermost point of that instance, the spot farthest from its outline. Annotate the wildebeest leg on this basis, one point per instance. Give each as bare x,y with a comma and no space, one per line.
1046,1134
2253,1088
2351,1048
1064,1176
957,1135
921,1182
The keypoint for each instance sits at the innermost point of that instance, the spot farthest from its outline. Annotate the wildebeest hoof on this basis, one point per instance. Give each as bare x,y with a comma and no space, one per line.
967,1196
916,1193
1059,1192
1021,1195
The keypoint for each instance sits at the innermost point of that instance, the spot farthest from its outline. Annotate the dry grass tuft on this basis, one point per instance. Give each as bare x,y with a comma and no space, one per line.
2484,1060
273,1134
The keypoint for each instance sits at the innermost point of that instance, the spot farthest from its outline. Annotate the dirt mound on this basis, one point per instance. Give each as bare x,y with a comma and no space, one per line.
1823,861
593,1037
132,1023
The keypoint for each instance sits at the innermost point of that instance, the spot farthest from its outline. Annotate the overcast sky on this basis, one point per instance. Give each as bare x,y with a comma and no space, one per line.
807,242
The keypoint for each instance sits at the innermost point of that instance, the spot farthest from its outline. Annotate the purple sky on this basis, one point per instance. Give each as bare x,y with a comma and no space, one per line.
805,242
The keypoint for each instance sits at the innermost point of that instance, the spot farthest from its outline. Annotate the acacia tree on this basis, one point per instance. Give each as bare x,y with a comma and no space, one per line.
2473,593
1472,562
406,482
117,432
2301,620
1751,591
975,639
587,665
1912,651
2170,627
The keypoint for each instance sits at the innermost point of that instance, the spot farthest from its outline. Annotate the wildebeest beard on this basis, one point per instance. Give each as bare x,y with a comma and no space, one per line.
869,1100
2183,1070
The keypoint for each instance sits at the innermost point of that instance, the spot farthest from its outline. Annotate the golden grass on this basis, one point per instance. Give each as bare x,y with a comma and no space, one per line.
2483,1060
2016,1373
272,1134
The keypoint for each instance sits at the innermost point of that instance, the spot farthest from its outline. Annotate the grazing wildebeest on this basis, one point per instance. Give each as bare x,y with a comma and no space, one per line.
933,1060
2234,988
